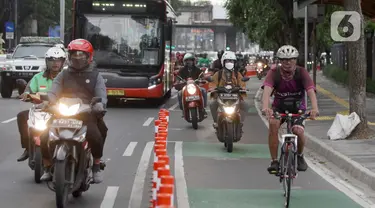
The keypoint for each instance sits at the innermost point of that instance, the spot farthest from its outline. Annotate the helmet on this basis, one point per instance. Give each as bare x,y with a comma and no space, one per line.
228,55
82,45
60,46
188,56
287,52
55,52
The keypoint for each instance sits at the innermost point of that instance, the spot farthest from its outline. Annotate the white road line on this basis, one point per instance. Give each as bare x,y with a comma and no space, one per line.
173,106
181,187
174,96
148,121
109,197
130,149
139,181
9,120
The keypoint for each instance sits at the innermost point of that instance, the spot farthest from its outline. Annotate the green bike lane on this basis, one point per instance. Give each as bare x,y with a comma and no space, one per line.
218,179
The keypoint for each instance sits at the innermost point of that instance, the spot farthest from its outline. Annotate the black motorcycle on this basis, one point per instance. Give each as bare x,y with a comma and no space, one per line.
72,159
229,126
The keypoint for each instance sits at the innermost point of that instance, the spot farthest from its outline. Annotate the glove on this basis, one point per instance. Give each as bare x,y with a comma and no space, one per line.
98,107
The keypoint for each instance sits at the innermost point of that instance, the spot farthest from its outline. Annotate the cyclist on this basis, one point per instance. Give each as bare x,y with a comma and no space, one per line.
288,82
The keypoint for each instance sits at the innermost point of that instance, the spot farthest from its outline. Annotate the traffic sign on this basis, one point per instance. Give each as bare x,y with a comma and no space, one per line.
9,30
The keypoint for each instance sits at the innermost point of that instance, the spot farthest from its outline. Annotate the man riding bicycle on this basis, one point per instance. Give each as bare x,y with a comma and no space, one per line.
288,82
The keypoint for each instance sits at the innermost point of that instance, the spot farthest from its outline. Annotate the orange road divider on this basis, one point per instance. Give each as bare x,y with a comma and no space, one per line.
162,180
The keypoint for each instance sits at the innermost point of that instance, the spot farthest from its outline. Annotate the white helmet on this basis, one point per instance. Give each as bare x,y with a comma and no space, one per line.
55,52
287,52
228,55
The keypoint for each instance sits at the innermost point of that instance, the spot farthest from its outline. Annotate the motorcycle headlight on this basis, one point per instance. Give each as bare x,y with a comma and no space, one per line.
40,125
259,64
68,110
229,109
191,89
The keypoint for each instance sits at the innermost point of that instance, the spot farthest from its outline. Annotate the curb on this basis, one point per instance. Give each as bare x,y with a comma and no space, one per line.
353,168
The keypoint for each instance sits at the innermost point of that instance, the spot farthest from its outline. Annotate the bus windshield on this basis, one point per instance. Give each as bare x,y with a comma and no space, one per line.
121,40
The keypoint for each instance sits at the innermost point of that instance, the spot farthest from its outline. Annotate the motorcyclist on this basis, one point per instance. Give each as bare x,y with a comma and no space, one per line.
81,80
190,71
289,83
240,64
216,65
41,82
204,60
228,60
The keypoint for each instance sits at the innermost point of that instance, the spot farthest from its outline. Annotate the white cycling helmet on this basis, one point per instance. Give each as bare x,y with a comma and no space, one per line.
228,55
55,52
287,52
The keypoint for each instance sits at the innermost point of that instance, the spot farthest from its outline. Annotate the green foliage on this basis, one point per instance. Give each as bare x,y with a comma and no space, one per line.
267,22
323,36
342,77
46,12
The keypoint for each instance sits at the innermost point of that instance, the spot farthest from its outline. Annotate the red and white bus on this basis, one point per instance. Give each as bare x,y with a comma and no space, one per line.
132,40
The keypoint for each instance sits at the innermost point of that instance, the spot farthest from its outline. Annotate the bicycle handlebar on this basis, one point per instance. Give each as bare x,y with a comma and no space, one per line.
290,115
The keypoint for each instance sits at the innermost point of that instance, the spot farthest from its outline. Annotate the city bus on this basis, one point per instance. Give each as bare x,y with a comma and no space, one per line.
132,42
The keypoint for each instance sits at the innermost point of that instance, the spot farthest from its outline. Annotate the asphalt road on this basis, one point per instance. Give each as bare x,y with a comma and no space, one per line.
212,177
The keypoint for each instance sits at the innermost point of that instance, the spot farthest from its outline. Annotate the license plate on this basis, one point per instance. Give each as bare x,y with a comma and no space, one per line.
67,123
23,74
228,96
192,98
116,92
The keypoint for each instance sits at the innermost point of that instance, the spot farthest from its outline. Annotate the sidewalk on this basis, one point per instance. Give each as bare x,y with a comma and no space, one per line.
356,157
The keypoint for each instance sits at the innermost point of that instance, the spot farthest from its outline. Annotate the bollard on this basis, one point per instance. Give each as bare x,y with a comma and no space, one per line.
160,152
163,134
161,171
167,182
166,189
157,165
163,200
157,123
158,147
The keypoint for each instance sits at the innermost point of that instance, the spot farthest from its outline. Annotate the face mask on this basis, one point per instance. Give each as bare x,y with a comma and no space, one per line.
78,64
229,65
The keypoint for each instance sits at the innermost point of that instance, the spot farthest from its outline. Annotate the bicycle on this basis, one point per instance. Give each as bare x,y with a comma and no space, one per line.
287,162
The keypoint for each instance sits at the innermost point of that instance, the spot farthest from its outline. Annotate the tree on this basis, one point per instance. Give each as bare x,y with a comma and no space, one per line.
269,23
357,75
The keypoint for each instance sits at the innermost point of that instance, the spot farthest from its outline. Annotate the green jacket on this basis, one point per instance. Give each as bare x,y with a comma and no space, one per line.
39,83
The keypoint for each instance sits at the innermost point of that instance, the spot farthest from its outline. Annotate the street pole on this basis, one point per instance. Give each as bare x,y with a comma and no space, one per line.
306,44
314,64
15,22
62,19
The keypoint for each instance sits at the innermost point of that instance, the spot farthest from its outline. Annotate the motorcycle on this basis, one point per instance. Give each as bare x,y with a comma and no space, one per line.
37,124
192,100
229,129
260,70
72,159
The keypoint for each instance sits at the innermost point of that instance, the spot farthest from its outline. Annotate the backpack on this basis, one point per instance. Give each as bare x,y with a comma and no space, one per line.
221,75
277,78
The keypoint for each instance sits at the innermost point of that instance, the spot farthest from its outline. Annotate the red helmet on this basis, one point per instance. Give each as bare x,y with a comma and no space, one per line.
82,45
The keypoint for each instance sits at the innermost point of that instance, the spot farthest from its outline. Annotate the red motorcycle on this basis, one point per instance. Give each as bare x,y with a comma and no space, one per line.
192,100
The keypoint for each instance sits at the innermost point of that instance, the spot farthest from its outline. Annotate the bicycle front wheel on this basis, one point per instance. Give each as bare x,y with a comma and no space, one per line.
289,174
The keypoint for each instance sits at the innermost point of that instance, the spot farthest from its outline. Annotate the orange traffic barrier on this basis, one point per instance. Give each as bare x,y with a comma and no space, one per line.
164,200
162,181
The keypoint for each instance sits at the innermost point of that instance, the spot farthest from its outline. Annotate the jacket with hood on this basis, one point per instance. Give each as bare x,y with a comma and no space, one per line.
84,84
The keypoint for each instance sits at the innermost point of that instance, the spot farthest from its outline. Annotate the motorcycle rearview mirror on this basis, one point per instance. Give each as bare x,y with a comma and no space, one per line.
245,79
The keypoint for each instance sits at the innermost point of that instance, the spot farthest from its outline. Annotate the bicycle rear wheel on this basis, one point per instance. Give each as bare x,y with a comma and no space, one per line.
288,176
